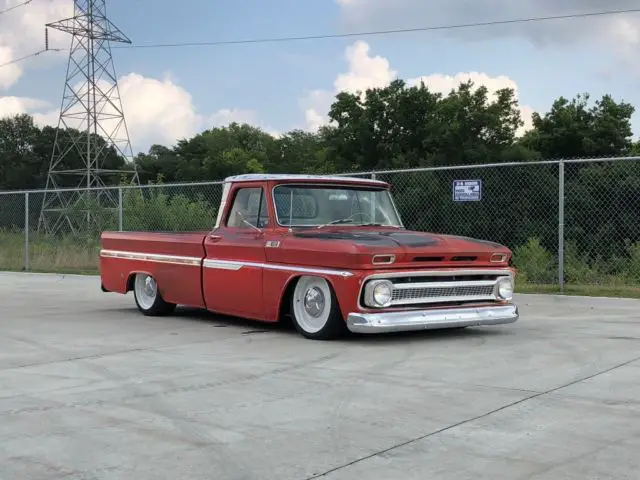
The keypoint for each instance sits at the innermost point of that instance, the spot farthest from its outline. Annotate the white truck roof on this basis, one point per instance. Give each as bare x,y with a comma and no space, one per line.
262,177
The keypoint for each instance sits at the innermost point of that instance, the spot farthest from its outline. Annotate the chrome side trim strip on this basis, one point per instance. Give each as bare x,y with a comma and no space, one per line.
222,265
152,257
237,265
319,271
431,319
217,263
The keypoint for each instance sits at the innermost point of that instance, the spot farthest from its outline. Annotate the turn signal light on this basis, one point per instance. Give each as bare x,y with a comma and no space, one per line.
383,259
498,258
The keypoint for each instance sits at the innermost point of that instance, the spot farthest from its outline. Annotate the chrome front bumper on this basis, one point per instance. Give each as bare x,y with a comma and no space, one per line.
431,319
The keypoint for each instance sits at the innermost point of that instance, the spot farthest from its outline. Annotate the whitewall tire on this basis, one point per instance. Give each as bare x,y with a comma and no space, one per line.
147,296
315,310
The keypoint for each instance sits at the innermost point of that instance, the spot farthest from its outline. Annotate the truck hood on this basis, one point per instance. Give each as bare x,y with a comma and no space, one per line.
355,248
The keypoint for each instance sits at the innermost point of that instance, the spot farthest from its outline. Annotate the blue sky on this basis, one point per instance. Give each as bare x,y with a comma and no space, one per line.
179,91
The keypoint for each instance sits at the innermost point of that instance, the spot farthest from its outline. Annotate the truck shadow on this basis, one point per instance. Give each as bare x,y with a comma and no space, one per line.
285,327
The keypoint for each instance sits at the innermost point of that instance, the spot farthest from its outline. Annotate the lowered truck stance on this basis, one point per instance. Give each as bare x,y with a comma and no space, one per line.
329,252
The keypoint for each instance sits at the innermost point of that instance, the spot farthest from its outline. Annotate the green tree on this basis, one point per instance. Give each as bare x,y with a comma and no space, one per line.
300,151
402,127
161,162
572,129
21,162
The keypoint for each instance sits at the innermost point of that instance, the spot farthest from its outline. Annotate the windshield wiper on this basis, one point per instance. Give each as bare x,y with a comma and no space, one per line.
348,220
336,222
379,225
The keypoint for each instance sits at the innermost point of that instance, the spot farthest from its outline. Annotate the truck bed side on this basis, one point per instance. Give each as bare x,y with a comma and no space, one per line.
174,259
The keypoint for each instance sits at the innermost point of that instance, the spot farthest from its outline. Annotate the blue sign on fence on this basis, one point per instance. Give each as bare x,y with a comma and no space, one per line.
467,190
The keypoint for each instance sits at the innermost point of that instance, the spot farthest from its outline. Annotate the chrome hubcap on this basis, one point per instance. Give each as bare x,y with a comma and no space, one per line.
314,302
146,290
150,286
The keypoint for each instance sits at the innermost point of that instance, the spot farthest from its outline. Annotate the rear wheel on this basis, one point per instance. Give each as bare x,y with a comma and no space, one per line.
316,314
148,298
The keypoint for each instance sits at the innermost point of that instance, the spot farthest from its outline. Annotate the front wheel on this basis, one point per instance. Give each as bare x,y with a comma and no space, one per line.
316,314
148,299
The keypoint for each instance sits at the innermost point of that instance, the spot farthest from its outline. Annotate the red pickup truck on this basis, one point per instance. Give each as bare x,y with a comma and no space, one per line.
329,252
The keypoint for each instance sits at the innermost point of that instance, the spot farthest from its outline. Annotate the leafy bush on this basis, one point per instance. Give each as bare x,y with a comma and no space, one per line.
534,263
158,211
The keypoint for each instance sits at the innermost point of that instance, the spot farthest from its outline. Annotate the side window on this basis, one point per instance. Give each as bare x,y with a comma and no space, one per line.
250,204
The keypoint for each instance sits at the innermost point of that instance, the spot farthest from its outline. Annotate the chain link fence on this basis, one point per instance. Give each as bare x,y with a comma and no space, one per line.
516,205
569,223
60,231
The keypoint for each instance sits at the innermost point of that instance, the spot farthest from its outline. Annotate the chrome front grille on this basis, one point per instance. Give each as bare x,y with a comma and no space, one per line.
441,287
437,292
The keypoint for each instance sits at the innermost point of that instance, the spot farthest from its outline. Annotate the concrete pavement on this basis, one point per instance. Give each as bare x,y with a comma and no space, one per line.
90,389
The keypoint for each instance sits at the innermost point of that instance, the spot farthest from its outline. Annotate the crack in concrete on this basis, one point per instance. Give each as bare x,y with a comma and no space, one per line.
470,420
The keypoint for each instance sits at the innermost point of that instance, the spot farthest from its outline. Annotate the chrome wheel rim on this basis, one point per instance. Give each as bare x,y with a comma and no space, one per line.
314,302
146,290
311,304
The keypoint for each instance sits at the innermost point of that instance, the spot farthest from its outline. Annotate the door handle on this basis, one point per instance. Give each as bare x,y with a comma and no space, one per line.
214,238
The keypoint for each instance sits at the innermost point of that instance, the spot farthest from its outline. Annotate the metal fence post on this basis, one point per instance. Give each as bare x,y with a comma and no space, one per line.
561,225
26,231
372,213
120,216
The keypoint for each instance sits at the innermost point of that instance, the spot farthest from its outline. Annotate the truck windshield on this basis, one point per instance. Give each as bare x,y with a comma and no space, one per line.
323,205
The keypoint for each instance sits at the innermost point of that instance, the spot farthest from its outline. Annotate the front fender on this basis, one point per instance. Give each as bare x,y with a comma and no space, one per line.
279,285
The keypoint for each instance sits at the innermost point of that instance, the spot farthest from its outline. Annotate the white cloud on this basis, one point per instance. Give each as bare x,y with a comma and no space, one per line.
9,73
22,33
316,105
365,71
156,111
621,32
10,106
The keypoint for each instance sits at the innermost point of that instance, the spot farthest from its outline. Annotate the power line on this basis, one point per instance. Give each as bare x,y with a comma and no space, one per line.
16,60
26,2
386,32
25,57
349,34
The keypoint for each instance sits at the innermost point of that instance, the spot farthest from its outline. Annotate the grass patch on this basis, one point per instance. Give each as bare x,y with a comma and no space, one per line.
66,255
614,291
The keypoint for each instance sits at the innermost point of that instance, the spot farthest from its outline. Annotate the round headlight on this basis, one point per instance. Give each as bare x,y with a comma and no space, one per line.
504,288
382,294
378,293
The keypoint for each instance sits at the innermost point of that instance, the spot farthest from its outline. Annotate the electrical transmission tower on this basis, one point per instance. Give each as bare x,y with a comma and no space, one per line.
92,136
